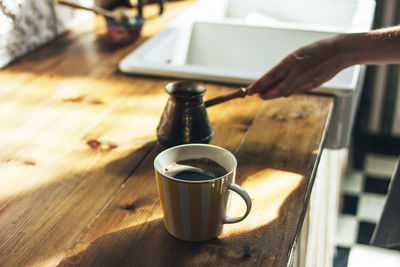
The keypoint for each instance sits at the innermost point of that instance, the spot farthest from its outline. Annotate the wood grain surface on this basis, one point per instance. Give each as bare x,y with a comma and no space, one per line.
78,142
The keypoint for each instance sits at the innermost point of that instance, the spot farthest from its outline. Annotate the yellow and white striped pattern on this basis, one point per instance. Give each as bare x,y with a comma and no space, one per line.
193,211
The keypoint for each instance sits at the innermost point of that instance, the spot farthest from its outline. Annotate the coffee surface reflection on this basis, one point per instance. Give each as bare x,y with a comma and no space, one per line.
206,169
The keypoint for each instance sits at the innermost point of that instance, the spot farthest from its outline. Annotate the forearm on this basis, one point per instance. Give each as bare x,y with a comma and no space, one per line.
371,48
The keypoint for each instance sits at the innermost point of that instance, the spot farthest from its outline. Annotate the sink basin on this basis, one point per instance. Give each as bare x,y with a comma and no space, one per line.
227,52
242,53
236,41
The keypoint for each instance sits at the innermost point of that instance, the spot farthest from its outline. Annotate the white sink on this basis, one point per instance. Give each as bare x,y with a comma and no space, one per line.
236,41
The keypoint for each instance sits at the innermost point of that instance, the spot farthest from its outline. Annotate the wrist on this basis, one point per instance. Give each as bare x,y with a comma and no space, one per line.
349,49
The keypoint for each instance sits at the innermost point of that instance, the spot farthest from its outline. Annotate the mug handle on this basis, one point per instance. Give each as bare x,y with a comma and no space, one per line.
241,192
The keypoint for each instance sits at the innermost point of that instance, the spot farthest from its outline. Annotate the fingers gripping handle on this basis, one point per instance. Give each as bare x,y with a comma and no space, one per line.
241,192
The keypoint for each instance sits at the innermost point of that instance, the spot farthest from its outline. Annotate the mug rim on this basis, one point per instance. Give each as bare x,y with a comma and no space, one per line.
196,145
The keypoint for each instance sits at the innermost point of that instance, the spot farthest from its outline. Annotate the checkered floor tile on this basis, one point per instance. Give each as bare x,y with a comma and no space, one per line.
363,197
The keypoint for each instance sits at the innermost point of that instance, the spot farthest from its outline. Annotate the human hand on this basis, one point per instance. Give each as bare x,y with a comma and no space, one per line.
302,70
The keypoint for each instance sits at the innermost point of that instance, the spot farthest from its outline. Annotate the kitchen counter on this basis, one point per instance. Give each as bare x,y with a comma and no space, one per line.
76,165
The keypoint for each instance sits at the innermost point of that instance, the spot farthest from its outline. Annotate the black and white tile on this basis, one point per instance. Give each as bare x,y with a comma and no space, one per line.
363,198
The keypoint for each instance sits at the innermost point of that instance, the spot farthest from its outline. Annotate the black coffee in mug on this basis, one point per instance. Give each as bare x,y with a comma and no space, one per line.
208,169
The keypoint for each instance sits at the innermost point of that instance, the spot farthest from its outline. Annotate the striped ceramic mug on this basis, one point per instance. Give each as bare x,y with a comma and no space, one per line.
196,210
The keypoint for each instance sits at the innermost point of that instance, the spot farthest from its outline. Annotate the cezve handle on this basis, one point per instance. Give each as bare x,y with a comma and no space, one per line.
95,9
242,92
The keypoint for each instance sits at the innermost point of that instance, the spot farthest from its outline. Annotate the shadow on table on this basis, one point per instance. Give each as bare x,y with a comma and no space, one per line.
149,244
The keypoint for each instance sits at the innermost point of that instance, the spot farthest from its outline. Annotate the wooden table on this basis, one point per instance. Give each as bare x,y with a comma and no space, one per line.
78,141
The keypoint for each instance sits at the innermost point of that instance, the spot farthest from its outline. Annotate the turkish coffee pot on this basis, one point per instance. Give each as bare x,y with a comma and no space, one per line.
185,119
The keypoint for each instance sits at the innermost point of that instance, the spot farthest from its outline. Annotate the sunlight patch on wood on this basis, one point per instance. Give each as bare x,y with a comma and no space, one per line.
41,171
268,189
